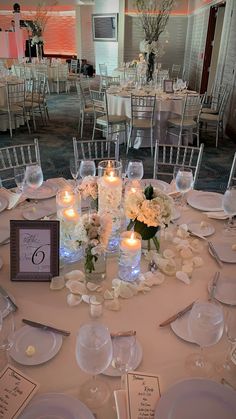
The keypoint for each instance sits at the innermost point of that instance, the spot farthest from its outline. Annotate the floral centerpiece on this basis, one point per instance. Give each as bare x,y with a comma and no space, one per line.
89,189
93,232
153,17
148,210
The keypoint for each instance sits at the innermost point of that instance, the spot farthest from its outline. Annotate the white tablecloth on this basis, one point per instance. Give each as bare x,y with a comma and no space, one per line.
163,352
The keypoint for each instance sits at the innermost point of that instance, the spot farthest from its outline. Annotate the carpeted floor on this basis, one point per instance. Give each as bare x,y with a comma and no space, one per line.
55,142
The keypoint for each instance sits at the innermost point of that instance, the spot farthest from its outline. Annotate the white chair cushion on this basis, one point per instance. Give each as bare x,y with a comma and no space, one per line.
186,123
209,117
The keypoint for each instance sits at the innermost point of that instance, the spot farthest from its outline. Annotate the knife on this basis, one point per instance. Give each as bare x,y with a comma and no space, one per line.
46,327
177,315
215,254
8,298
123,334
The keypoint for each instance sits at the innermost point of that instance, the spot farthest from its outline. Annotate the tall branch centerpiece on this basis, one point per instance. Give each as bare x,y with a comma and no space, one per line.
153,17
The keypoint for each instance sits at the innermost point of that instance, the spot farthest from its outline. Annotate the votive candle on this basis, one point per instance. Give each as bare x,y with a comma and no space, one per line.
130,256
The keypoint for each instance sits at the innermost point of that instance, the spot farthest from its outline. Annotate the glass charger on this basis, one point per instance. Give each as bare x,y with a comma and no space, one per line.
225,291
197,398
46,190
205,201
114,372
205,231
180,328
47,345
56,406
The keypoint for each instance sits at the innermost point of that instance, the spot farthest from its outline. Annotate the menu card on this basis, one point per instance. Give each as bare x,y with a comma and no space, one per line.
16,390
143,392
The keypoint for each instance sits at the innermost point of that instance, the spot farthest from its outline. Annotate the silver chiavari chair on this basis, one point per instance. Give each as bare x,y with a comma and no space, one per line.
96,150
232,175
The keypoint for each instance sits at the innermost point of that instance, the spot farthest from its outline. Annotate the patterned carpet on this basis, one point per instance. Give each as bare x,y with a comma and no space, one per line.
55,141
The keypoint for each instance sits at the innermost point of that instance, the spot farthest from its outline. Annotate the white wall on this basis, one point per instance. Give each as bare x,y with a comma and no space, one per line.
106,52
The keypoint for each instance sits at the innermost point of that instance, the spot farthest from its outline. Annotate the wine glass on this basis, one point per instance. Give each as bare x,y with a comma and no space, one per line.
184,182
19,175
124,163
6,333
230,329
229,206
87,168
206,325
33,176
74,169
135,170
124,352
94,355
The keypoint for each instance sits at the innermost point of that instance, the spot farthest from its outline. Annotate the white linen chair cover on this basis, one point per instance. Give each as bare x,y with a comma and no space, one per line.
232,175
167,157
17,156
96,150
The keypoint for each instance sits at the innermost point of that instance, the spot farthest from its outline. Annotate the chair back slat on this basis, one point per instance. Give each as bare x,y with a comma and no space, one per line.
96,150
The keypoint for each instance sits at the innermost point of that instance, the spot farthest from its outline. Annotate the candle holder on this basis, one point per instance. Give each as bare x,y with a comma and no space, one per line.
109,197
130,256
68,213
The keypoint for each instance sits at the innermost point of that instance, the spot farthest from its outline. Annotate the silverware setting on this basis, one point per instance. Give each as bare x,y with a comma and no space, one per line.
213,286
210,245
177,315
123,334
46,327
8,298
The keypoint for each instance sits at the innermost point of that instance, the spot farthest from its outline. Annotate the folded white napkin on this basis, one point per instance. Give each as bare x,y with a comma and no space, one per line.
121,404
13,198
217,215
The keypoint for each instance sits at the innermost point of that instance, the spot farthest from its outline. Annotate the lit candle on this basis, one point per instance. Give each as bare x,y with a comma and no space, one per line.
67,198
70,214
130,243
112,180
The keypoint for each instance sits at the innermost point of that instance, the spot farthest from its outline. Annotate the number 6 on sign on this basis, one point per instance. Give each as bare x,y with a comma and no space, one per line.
34,250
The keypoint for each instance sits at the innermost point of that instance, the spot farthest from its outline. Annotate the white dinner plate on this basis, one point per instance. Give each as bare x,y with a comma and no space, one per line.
224,251
180,327
3,203
47,344
43,192
205,201
56,406
225,291
38,212
114,372
197,398
202,230
156,183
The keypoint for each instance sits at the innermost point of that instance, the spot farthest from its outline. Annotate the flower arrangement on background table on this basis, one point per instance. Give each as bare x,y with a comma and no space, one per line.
148,211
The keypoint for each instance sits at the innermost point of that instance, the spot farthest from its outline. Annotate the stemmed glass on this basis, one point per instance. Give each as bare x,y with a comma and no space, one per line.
135,170
19,175
230,329
124,163
124,352
87,168
7,328
94,355
184,182
229,206
33,176
206,326
74,170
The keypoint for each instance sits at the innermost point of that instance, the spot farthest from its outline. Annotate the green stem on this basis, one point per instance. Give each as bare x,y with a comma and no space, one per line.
156,243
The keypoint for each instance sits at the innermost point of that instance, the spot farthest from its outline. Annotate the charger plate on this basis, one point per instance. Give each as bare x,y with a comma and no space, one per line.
197,398
205,201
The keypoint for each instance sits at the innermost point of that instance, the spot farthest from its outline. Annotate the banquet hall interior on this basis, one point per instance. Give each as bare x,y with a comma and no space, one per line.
78,76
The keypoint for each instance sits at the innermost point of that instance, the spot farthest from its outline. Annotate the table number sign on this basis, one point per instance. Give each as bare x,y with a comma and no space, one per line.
34,249
143,392
16,390
168,86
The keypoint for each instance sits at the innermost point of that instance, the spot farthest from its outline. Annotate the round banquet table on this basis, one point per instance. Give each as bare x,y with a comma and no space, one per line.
163,352
167,106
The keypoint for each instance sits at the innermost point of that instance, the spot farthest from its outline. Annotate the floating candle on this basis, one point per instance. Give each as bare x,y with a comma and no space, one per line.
70,214
130,243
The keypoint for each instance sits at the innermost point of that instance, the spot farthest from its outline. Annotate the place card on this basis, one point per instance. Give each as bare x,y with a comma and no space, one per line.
143,392
16,390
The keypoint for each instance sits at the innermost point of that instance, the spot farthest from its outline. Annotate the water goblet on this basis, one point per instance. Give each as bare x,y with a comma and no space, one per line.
227,367
33,176
94,355
206,325
135,170
124,352
87,168
19,175
229,206
74,170
184,182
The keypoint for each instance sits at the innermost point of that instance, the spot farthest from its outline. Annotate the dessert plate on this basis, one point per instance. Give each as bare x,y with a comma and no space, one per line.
225,291
56,406
197,398
47,344
3,203
114,372
225,251
46,190
205,201
202,230
180,328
